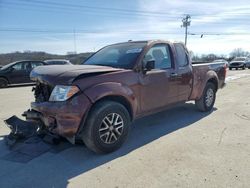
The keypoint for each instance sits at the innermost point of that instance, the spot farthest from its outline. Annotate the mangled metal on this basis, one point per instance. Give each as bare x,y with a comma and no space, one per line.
20,129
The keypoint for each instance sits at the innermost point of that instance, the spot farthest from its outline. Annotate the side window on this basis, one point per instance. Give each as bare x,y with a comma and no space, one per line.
160,53
182,59
27,66
36,64
18,67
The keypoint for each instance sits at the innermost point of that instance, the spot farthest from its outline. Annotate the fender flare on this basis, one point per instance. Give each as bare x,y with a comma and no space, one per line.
109,90
210,76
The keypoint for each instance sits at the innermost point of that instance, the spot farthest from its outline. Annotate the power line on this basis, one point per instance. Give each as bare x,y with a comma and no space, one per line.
45,8
84,31
119,10
78,7
79,31
122,15
67,5
217,34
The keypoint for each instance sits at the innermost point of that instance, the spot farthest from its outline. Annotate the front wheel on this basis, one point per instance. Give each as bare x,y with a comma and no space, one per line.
107,127
206,102
3,83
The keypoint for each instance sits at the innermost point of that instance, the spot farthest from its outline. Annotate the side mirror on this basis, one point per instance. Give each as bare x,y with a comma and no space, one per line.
11,69
149,66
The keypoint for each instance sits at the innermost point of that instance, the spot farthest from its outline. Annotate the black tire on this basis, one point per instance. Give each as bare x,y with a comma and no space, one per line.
97,139
236,68
248,67
3,83
206,102
243,67
230,68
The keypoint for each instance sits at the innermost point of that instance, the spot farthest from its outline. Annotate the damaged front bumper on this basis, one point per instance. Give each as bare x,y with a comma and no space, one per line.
58,118
61,118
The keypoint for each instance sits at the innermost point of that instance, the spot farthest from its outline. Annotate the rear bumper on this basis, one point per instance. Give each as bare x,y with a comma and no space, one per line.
63,118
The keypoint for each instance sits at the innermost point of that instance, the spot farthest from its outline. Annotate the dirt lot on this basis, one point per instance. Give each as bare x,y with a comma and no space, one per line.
176,148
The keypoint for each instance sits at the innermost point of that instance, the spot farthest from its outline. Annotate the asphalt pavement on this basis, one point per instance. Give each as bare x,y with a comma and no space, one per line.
180,147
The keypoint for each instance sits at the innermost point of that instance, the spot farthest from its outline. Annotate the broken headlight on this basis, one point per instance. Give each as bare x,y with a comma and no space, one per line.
63,93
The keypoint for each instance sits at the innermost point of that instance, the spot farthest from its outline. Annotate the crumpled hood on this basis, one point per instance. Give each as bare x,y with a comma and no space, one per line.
66,74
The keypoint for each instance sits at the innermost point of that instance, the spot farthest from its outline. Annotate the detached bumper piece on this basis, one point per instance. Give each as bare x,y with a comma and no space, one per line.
22,130
19,130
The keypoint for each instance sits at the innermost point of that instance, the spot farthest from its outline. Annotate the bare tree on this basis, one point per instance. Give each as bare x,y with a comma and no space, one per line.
239,52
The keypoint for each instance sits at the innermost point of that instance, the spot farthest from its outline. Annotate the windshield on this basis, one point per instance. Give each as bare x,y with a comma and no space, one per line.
240,59
7,66
118,55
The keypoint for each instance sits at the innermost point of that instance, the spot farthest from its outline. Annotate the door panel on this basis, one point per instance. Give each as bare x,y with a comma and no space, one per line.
17,74
158,89
159,86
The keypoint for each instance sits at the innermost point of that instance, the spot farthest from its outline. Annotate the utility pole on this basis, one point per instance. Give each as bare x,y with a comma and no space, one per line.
186,21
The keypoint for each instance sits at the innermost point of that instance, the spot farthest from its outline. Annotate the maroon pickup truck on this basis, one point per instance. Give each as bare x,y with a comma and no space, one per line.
97,101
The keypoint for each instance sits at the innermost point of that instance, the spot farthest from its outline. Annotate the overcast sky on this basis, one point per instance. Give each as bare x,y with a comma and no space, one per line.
87,25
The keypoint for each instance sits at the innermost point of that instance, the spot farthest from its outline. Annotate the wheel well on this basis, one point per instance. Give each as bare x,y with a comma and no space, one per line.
214,81
121,100
4,78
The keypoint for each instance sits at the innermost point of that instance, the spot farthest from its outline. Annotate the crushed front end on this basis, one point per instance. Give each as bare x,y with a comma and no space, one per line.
60,118
60,115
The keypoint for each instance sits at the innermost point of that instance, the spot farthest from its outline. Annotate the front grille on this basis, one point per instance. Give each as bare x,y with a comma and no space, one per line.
235,64
42,92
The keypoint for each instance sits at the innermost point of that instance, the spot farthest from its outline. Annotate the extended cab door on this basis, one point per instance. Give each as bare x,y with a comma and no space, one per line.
158,86
185,72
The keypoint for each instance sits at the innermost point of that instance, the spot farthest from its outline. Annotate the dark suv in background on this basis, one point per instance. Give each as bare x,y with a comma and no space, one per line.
17,72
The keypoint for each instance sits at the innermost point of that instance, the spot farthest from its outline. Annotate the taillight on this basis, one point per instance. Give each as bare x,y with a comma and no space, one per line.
225,70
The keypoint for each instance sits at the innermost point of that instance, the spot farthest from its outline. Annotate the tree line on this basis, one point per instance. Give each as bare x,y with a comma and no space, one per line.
237,52
41,56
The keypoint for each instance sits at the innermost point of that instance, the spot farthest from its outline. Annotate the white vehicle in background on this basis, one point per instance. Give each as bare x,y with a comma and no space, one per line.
58,62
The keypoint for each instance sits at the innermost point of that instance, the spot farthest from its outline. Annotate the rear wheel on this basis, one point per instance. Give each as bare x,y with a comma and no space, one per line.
244,67
206,102
230,68
107,127
3,83
236,68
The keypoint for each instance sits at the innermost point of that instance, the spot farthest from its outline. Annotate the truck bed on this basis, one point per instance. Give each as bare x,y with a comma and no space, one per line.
201,73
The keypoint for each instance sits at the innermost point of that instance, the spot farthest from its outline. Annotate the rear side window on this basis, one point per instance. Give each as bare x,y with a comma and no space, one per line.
181,58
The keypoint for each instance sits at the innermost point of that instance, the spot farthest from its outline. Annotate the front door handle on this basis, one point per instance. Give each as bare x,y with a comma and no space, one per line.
173,75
